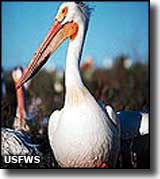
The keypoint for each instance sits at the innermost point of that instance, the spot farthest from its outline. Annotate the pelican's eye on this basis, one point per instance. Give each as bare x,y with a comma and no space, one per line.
63,13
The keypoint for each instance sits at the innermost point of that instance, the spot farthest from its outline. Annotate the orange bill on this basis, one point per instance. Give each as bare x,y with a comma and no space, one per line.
57,34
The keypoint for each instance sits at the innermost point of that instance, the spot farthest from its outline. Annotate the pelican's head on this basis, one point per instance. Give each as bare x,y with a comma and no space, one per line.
71,17
76,12
17,74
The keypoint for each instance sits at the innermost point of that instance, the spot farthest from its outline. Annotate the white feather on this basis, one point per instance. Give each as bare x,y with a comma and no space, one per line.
81,134
144,126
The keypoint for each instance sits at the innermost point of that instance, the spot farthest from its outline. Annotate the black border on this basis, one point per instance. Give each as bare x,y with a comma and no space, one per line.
152,14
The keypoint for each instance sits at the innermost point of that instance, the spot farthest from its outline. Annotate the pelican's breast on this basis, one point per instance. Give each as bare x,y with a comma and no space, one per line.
82,137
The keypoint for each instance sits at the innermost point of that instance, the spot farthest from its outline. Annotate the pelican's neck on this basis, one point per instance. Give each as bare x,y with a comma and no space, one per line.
72,73
73,81
20,103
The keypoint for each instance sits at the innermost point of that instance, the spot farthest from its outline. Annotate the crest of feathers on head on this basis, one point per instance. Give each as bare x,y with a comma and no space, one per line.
86,10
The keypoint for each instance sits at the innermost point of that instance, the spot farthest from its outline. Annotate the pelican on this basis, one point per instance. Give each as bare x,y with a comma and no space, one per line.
81,134
16,141
20,119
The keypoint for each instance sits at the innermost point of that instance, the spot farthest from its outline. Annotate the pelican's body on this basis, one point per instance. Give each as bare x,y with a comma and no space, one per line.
81,134
17,143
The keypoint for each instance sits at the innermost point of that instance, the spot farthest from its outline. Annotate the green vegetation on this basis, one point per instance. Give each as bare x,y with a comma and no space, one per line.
124,87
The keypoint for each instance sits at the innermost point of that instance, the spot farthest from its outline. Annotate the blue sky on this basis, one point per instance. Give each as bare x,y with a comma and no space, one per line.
114,28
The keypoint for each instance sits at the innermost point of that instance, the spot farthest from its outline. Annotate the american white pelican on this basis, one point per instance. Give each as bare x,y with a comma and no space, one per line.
16,141
20,119
81,134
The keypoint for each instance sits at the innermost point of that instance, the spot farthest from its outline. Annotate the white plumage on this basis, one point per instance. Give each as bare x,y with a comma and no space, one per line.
144,126
81,134
17,143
